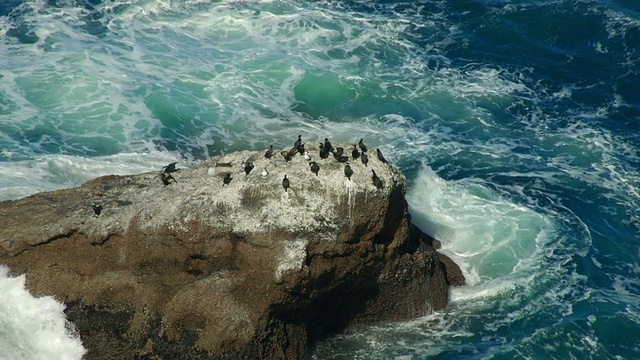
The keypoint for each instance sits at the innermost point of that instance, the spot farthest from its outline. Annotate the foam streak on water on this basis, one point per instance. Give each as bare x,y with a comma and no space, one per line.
515,123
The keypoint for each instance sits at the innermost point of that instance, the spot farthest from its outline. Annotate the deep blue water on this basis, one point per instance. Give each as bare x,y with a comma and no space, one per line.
517,124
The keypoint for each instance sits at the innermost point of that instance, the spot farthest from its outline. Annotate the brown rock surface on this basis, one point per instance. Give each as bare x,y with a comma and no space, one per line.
198,269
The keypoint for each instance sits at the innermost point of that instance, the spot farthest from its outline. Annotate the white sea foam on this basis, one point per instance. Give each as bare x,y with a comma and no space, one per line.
51,172
33,328
247,74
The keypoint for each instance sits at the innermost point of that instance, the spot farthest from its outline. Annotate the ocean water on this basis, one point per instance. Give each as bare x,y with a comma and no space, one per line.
517,124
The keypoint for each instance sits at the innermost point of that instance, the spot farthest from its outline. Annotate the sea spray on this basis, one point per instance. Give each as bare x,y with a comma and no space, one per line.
33,328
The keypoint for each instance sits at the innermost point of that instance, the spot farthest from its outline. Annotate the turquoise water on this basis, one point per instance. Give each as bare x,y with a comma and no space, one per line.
517,124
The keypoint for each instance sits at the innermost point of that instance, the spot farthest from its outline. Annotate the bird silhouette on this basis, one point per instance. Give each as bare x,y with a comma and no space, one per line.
348,172
248,166
269,153
377,182
363,147
314,167
170,168
167,178
355,154
227,179
380,157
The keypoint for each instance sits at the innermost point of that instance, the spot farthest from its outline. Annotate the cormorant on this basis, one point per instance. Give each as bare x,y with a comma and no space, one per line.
363,147
298,142
314,167
293,152
285,154
364,158
170,168
327,145
167,178
248,166
285,183
324,153
269,153
376,180
97,209
227,179
379,153
355,154
339,154
348,172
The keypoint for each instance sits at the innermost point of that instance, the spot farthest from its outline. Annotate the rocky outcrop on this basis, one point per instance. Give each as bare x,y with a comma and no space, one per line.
200,269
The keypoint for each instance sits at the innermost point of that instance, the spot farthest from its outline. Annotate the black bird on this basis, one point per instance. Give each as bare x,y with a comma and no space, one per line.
364,158
170,168
97,209
293,152
363,147
227,179
355,154
376,180
339,155
286,155
167,178
301,149
314,167
269,153
248,166
285,183
324,153
348,172
327,145
379,153
298,142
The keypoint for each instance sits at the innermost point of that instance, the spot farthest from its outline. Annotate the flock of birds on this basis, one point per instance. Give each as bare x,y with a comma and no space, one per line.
326,150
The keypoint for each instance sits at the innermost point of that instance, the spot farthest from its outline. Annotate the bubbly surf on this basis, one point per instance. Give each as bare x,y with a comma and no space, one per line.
515,123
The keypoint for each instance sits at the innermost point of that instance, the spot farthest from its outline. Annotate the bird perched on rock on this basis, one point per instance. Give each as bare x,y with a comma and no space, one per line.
377,182
248,166
264,172
298,142
301,150
327,145
364,158
355,154
380,157
285,183
348,172
269,153
324,153
286,155
292,152
167,178
170,168
97,209
307,156
227,179
338,154
363,147
314,167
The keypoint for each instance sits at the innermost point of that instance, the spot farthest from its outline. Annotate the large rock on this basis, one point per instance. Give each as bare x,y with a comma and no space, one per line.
199,269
